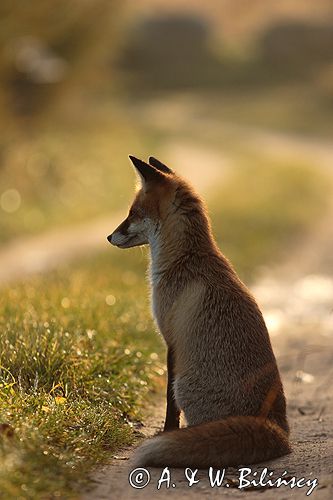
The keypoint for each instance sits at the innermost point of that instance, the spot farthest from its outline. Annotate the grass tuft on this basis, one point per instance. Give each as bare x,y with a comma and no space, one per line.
73,373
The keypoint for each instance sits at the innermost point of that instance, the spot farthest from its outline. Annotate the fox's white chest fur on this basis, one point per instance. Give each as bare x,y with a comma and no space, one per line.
175,313
154,276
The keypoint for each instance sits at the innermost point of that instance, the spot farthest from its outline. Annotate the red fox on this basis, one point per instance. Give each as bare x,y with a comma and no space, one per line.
222,372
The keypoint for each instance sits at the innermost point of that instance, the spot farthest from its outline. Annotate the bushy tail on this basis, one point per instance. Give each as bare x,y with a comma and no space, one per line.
230,442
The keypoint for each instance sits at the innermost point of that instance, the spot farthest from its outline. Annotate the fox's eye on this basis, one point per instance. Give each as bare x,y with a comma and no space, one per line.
136,213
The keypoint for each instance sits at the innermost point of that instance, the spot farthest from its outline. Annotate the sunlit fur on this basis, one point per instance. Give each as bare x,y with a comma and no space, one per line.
226,379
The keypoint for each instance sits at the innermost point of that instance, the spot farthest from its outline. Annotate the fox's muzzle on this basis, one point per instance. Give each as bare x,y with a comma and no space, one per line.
130,233
120,236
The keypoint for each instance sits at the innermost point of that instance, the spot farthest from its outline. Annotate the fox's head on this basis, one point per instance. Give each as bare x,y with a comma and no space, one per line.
153,203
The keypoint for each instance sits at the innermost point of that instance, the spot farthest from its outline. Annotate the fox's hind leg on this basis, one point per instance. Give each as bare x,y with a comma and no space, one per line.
172,412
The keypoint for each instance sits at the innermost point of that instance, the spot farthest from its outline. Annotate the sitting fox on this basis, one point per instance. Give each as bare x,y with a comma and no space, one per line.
222,372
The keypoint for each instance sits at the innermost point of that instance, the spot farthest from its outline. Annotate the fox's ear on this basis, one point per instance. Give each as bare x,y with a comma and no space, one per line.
147,173
159,165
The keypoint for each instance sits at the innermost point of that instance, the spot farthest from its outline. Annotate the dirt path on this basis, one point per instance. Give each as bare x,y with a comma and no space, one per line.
312,458
47,251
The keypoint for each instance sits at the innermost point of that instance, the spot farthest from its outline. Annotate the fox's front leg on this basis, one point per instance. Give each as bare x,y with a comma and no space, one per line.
172,412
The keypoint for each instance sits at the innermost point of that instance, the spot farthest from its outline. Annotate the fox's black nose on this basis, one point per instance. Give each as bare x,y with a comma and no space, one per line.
109,238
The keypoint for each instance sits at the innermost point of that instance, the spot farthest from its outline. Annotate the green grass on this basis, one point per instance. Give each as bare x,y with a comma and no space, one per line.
74,372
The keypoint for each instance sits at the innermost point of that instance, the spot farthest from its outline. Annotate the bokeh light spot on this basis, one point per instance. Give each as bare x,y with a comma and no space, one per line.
110,300
10,201
65,302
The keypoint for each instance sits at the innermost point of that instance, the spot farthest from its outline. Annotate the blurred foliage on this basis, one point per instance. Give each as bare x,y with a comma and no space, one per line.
177,51
303,46
169,52
52,48
62,175
297,109
264,209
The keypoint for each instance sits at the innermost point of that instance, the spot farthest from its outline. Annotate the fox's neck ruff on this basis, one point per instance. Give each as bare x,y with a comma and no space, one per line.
182,235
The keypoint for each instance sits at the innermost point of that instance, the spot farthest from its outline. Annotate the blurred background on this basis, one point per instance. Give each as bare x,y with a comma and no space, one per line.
236,95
